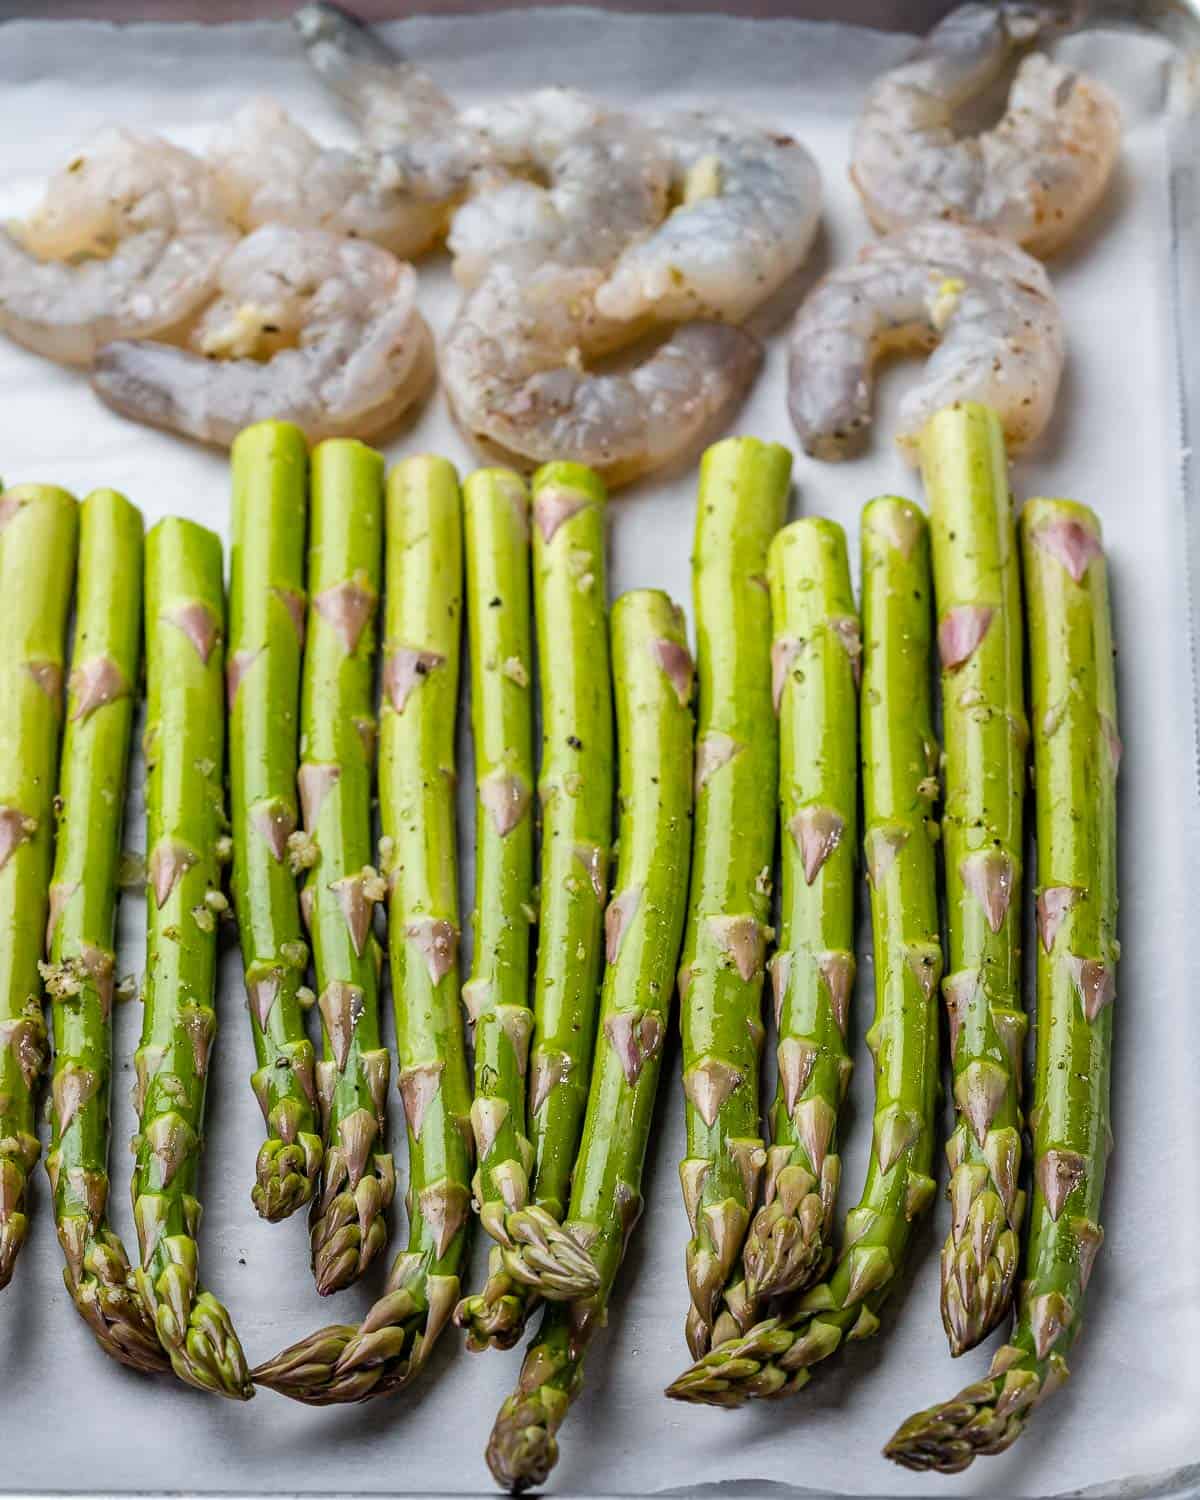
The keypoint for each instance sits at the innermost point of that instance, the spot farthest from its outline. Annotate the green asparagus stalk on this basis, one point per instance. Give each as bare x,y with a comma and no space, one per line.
497,995
185,822
1076,751
38,526
576,791
81,928
417,788
742,503
815,656
266,621
644,925
977,582
899,757
337,747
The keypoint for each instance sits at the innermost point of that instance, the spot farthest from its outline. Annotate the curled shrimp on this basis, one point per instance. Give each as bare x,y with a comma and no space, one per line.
983,306
307,328
397,190
749,210
1033,179
276,173
513,368
126,243
606,181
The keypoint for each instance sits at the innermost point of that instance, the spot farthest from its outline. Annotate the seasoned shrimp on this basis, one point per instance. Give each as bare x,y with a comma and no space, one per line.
982,305
513,369
276,173
606,181
749,209
308,328
127,242
1033,178
397,190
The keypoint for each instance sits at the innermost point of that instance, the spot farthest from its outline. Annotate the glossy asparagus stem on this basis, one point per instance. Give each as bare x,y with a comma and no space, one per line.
978,588
816,660
185,822
644,926
38,526
499,612
741,504
899,758
337,748
81,929
1076,751
266,624
417,789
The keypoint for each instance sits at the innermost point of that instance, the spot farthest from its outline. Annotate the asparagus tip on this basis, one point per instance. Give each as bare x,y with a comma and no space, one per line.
522,1449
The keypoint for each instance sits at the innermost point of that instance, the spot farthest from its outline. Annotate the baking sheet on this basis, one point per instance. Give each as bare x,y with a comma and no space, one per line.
73,1421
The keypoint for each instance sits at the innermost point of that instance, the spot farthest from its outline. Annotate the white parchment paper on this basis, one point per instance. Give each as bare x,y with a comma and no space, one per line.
72,1420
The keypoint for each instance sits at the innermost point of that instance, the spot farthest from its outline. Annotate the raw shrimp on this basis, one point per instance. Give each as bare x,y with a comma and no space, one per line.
513,368
397,190
980,303
127,243
308,328
606,177
749,209
276,173
1033,178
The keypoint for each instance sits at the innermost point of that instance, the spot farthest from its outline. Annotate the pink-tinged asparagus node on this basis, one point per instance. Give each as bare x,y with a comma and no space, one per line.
742,502
977,584
1074,706
185,827
37,571
652,671
776,1357
348,1226
81,927
816,658
266,628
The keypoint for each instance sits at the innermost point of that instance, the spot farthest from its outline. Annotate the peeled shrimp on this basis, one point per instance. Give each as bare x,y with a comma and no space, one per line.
513,368
606,181
276,173
750,205
1033,178
982,305
127,243
308,328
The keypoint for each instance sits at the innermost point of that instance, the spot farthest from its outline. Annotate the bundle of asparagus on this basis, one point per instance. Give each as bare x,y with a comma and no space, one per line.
557,1182
643,928
1076,752
899,757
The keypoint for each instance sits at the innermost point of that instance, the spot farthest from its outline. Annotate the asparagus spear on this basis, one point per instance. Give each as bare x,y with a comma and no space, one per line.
899,758
417,784
815,655
499,614
742,502
266,614
38,525
576,791
977,582
644,925
185,820
83,908
337,747
1076,750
